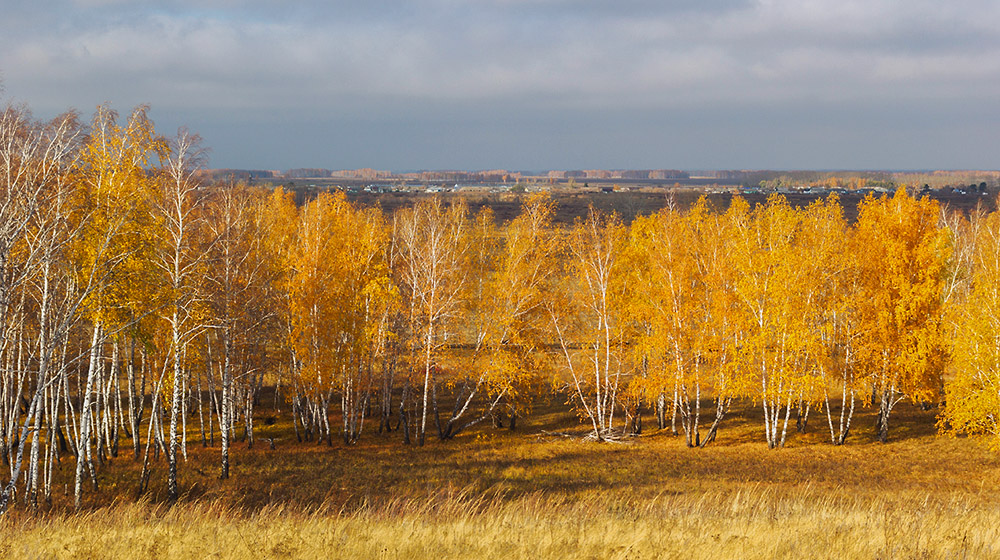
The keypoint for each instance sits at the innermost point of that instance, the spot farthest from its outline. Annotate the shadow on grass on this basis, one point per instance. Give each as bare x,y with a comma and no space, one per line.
533,459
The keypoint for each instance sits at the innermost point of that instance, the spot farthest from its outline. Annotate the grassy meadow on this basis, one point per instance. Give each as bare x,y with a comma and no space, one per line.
544,492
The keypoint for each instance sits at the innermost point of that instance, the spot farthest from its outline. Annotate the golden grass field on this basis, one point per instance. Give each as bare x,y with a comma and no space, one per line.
532,494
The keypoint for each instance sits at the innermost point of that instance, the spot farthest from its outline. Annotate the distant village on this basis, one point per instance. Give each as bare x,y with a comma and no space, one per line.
620,180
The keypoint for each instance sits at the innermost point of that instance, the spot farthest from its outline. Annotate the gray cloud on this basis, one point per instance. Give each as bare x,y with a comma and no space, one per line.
495,68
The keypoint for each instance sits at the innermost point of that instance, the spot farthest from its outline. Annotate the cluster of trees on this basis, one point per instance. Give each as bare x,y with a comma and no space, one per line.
135,300
101,266
791,307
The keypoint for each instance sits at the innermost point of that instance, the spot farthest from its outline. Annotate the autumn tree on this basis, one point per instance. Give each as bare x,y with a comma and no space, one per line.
587,318
117,186
180,261
680,303
37,195
237,278
829,296
432,244
902,255
972,393
774,351
312,306
667,306
526,268
279,224
339,292
511,272
367,300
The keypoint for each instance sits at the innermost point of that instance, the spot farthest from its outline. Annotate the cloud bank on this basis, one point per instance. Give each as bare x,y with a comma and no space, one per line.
530,83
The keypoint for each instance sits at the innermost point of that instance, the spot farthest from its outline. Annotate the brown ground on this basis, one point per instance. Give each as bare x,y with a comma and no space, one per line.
548,455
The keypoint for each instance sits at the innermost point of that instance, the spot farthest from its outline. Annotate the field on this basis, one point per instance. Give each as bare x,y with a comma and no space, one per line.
631,204
544,492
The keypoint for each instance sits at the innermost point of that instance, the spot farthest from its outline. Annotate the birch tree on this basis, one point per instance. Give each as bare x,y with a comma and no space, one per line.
902,264
36,161
511,273
773,352
586,318
829,296
180,261
114,174
677,275
432,242
339,294
237,278
972,392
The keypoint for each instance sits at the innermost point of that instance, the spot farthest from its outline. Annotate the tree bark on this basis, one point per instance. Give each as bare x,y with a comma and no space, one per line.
83,443
175,408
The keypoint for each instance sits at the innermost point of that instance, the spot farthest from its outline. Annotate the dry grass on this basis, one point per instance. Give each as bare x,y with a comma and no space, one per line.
751,523
493,494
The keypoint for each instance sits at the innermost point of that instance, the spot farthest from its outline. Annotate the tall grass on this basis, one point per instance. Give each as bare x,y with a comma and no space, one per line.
756,522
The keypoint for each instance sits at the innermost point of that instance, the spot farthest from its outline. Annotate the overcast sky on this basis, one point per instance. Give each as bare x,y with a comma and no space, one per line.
529,84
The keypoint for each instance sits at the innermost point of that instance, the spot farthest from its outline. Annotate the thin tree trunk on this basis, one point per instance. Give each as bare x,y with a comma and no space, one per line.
175,408
661,411
83,447
422,432
8,492
225,426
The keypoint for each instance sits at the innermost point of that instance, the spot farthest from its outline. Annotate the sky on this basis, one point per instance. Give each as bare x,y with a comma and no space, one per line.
529,84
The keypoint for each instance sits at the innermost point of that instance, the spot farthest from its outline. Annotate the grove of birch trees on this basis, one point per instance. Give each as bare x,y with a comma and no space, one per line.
143,311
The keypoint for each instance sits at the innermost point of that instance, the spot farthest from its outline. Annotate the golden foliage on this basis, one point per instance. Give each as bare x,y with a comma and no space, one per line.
901,253
338,292
973,392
